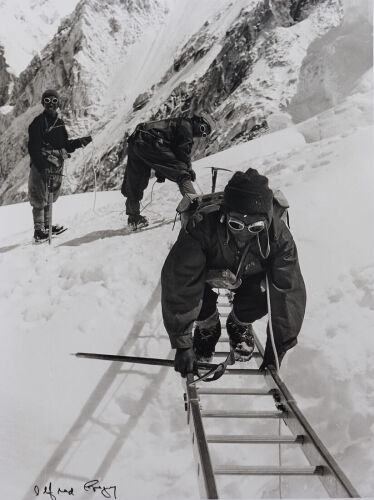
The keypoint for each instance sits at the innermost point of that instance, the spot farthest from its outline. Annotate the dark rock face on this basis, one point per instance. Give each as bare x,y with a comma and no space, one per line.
141,100
53,69
5,79
224,75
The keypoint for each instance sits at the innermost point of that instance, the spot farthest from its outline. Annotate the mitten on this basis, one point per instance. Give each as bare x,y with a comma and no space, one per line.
184,361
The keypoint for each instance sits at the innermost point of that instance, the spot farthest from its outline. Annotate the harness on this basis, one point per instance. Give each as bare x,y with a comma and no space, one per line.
155,132
54,157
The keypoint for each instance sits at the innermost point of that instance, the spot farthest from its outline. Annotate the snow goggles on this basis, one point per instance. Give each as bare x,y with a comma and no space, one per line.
204,128
52,100
238,225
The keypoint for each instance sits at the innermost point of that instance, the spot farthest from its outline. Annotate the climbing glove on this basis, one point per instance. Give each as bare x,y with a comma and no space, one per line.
184,361
192,175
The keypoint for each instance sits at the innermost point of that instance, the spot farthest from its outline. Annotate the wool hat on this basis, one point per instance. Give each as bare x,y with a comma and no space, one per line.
50,92
249,193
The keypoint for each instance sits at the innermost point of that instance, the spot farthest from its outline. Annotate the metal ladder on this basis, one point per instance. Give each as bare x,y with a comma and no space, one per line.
322,464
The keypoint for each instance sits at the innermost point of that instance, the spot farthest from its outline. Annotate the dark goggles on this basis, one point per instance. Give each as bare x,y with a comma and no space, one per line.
238,225
204,128
48,100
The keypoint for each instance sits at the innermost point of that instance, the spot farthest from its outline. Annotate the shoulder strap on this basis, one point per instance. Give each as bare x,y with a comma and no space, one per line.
281,206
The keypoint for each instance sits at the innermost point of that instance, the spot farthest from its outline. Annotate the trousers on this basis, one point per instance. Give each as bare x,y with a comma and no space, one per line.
38,197
249,302
142,157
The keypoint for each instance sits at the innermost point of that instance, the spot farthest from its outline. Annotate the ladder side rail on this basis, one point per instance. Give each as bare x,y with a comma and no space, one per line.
207,482
333,479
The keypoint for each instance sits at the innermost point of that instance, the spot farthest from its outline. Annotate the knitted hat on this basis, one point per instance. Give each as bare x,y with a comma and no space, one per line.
49,93
249,193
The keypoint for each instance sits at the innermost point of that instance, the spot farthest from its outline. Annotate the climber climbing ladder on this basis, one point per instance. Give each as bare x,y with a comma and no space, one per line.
322,464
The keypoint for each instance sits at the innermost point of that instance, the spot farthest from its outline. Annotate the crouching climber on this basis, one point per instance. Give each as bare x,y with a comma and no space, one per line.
164,146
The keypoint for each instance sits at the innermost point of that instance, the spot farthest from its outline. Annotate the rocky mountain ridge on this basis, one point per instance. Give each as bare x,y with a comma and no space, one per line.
5,78
125,61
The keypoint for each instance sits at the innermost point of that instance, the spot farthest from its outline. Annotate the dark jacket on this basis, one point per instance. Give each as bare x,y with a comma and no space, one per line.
45,132
173,133
209,245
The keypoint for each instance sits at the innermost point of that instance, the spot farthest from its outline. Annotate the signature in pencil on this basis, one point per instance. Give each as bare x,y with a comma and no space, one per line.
91,486
106,491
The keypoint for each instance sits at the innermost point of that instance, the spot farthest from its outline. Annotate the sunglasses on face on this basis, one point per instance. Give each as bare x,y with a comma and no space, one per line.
238,225
52,100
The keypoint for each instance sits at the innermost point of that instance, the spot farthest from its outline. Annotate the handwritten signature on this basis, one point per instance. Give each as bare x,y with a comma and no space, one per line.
93,486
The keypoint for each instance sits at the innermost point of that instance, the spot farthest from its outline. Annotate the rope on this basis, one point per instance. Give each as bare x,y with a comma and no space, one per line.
150,201
280,458
271,325
277,368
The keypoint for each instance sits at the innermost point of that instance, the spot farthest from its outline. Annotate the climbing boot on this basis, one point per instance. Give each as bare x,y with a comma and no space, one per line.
241,337
206,335
56,229
137,221
40,236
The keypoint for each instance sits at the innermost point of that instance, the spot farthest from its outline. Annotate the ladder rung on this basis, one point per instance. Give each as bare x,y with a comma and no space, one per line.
224,354
267,439
234,392
242,414
268,471
242,371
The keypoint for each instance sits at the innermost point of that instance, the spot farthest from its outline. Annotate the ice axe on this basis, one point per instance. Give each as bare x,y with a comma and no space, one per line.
214,371
214,176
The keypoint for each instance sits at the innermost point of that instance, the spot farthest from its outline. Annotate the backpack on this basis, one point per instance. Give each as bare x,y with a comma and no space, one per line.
195,206
281,206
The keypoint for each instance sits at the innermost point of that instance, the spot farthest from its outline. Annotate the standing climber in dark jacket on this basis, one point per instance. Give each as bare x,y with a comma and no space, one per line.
165,146
48,147
246,245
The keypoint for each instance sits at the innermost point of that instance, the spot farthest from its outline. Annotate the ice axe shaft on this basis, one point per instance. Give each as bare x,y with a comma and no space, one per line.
139,360
214,176
50,205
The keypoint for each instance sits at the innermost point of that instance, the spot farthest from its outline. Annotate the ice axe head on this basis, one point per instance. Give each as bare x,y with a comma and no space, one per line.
214,175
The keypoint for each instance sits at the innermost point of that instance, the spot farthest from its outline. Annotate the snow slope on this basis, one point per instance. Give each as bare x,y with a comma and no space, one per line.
27,26
96,289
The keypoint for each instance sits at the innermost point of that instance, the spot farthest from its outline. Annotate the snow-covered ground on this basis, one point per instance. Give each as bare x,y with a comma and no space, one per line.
66,420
